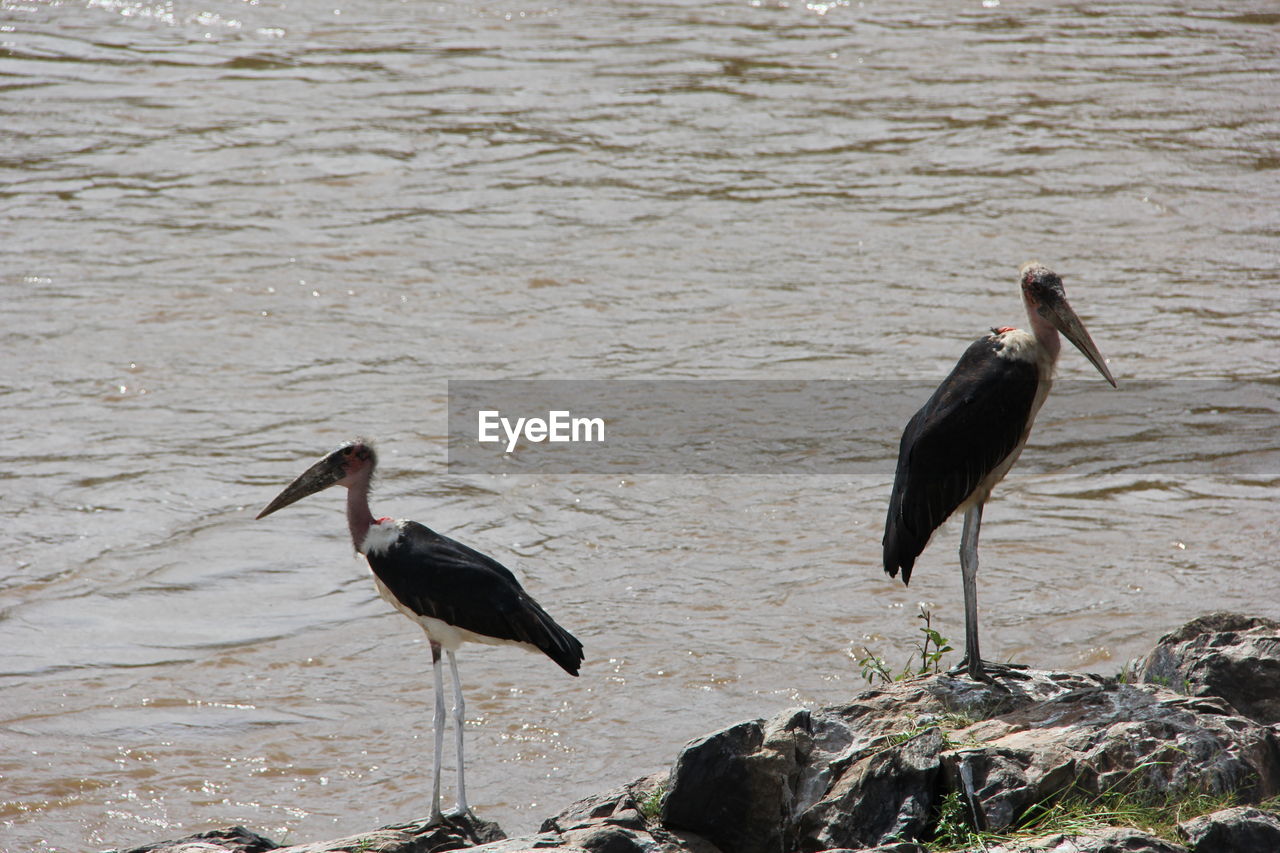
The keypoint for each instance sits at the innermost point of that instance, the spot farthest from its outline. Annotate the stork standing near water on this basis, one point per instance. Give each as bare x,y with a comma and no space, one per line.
970,432
455,593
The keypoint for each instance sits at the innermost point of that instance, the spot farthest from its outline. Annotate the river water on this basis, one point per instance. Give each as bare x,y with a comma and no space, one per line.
237,233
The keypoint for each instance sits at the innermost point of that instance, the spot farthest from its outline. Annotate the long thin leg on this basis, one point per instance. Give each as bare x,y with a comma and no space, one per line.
969,571
459,719
436,815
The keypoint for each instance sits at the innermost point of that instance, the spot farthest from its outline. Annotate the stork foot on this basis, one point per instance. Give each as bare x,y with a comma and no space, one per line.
451,831
474,829
435,821
452,826
974,668
993,674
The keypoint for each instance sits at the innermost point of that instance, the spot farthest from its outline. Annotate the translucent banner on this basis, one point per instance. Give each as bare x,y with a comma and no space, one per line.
843,427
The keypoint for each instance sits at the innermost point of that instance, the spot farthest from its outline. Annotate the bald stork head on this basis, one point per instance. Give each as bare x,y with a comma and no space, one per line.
1045,298
350,464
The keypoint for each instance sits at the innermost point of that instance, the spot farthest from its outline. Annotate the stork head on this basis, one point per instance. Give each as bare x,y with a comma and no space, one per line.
351,463
1043,294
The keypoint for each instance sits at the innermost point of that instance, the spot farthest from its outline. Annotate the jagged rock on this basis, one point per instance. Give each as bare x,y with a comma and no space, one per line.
767,786
622,806
610,839
1112,738
541,841
1240,830
236,839
877,770
889,794
456,833
735,787
1236,658
1117,840
615,822
899,847
377,841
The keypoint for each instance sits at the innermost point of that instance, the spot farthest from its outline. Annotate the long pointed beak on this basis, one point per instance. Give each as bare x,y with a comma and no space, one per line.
1066,321
319,476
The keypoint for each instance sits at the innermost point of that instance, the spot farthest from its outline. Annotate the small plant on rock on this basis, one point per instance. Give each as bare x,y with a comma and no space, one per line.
651,805
954,830
874,668
930,651
933,648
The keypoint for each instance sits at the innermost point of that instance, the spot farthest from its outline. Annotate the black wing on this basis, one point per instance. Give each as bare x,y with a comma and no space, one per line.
972,422
436,576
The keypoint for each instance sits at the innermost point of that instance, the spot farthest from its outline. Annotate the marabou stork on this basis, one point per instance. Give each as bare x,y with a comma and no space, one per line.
970,432
455,593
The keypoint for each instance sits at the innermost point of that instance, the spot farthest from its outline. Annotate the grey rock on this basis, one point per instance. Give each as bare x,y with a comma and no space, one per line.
736,787
607,838
457,832
874,770
1116,840
1112,738
236,839
540,841
889,795
897,847
377,841
1233,657
1240,830
615,822
828,778
622,806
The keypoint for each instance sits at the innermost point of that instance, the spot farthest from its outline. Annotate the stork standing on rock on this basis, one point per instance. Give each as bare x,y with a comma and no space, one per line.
456,594
970,432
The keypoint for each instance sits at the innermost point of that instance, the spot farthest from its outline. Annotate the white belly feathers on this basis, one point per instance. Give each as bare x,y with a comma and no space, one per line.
381,536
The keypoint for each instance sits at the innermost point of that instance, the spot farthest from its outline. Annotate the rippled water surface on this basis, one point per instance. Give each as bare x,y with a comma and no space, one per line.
236,233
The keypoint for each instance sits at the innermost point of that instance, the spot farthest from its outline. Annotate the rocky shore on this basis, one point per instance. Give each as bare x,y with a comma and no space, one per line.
1180,755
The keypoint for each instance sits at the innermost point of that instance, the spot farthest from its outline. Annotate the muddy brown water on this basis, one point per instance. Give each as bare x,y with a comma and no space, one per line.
236,233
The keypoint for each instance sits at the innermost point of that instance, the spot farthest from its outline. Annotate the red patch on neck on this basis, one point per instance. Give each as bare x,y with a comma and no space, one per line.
1000,330
383,519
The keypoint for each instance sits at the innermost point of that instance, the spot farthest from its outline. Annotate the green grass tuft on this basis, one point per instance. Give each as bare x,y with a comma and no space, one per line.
1080,814
651,805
